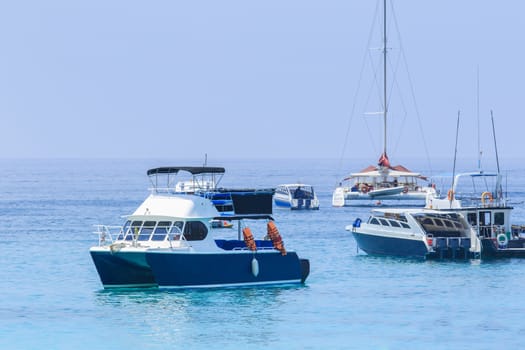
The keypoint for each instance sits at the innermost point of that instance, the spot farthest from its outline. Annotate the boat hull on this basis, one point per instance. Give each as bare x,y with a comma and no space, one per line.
298,204
342,196
391,246
122,269
514,249
199,270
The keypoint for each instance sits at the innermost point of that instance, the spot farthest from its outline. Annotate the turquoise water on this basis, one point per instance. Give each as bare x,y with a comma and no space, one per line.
52,297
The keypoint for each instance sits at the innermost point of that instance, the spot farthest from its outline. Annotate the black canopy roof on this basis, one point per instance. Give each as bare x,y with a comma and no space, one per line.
194,170
246,216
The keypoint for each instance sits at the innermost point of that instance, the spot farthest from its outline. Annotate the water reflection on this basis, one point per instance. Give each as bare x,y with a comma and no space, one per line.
197,317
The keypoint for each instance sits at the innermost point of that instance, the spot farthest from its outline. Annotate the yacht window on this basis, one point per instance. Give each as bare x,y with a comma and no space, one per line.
404,225
499,218
161,231
394,223
146,231
123,231
384,222
438,222
134,230
448,223
427,221
458,224
195,231
374,221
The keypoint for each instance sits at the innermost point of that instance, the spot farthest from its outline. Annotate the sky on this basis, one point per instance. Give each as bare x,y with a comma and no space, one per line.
258,79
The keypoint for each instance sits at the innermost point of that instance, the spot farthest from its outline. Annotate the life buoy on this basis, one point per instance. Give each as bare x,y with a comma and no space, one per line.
502,240
487,195
277,241
450,195
248,239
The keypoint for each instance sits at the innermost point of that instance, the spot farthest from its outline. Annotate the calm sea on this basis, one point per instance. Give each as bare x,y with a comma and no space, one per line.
51,296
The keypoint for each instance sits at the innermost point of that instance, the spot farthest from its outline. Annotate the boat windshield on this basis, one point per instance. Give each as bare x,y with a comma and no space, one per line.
302,192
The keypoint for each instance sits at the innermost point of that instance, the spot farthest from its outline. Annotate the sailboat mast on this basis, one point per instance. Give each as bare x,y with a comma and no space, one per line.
384,77
479,137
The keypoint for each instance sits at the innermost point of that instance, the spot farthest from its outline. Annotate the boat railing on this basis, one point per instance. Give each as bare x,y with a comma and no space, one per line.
105,235
165,190
470,200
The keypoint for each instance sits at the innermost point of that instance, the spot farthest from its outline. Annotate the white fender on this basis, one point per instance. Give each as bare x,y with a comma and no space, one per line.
255,267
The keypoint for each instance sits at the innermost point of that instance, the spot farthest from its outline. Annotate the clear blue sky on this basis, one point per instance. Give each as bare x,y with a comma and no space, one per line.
249,79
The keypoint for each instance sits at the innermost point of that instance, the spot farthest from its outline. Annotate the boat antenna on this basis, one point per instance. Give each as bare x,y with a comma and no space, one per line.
499,188
480,152
384,78
205,159
451,192
495,144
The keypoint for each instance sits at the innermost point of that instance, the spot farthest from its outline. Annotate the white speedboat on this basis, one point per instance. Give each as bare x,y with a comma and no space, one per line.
296,197
416,233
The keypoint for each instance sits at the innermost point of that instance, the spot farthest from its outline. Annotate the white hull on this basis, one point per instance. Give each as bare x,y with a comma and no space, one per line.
343,196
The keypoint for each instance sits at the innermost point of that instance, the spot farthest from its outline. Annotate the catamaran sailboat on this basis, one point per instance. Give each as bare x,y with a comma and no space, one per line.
384,181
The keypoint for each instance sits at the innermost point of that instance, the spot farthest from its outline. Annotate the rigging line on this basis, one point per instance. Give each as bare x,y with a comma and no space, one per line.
376,85
452,188
358,89
395,82
495,143
412,91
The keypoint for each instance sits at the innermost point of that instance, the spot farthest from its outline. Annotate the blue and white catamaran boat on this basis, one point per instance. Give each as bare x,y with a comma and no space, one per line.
170,241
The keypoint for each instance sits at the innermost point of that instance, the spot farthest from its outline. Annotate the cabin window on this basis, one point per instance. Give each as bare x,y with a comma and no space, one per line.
134,230
448,223
404,225
176,230
161,231
438,222
195,231
427,221
394,223
484,218
374,221
177,227
124,230
384,222
472,219
146,231
499,218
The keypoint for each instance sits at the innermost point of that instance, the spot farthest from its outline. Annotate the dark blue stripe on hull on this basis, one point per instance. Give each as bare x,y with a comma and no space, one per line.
379,245
123,269
193,269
